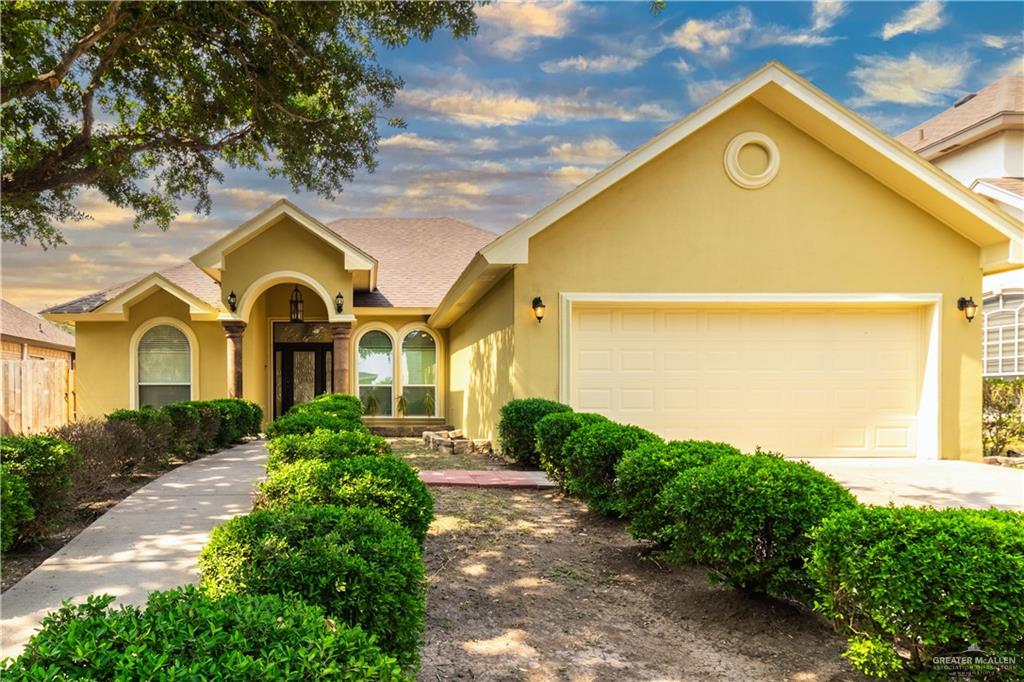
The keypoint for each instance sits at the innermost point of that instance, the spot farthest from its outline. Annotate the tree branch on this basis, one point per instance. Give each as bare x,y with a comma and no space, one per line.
52,78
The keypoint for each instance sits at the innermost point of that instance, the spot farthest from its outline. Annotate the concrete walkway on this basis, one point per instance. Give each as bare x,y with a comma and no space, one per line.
149,541
945,483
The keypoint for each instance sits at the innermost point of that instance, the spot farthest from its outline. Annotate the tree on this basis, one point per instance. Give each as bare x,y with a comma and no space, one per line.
143,100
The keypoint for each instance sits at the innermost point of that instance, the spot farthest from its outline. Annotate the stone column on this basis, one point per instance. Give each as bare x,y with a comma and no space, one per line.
234,330
341,333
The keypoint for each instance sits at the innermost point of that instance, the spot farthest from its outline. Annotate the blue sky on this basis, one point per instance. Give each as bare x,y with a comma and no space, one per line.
545,95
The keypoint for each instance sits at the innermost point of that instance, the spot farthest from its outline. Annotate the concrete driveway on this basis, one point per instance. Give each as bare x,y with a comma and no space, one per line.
944,483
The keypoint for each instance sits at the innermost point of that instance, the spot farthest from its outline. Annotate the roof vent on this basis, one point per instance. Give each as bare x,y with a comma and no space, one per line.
965,99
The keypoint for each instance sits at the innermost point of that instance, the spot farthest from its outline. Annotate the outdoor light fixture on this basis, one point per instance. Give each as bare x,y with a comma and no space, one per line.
295,306
969,307
539,308
339,302
232,301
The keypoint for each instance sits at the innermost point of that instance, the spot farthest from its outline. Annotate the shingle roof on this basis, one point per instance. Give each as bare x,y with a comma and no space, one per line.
186,275
1005,95
24,325
419,258
1012,185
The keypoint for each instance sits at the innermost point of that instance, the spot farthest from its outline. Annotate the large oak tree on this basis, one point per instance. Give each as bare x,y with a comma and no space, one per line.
141,100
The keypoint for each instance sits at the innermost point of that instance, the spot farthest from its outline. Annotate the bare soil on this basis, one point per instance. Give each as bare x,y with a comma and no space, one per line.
413,451
528,585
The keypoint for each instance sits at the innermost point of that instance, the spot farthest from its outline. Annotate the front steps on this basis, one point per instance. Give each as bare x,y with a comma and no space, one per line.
405,427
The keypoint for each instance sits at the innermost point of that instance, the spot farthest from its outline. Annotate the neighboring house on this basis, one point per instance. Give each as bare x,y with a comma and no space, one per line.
28,337
771,270
980,142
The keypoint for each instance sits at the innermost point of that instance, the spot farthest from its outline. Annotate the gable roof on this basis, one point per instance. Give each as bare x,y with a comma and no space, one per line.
24,326
806,107
418,258
995,107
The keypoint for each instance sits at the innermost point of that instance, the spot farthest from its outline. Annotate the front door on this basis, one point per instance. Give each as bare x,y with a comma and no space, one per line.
302,371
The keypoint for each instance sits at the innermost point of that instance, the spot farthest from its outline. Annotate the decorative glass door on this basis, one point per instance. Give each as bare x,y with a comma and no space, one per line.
303,364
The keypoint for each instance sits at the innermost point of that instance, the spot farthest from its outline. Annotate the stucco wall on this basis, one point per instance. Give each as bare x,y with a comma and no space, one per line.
104,359
680,225
480,354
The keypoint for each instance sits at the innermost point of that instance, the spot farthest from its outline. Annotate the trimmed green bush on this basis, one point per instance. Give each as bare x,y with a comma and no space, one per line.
303,422
15,507
324,444
236,420
552,432
338,404
749,518
384,483
209,425
44,464
157,427
642,473
590,455
906,584
360,567
517,435
185,426
183,634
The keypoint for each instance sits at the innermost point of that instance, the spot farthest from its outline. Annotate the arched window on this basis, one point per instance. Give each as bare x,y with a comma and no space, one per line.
419,374
165,367
375,366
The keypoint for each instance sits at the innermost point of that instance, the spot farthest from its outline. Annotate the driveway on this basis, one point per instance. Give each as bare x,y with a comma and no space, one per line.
943,483
149,541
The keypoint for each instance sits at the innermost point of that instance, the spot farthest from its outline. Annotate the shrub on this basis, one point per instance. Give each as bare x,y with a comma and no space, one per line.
158,429
185,425
130,442
517,426
590,455
922,582
642,473
324,444
384,483
748,518
338,404
44,464
209,425
15,508
103,453
552,432
360,567
234,420
303,422
1002,414
184,634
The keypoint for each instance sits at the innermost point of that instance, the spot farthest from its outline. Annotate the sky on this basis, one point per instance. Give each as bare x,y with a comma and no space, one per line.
501,124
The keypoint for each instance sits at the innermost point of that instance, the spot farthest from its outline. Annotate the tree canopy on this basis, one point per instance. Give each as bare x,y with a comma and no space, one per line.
144,100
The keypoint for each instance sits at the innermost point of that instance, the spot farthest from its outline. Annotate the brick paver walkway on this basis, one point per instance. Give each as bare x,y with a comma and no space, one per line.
487,479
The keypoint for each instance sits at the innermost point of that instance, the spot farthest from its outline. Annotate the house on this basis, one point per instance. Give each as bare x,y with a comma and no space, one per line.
980,142
771,270
27,337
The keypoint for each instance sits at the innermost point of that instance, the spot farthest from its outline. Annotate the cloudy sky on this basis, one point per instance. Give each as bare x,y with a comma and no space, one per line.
546,94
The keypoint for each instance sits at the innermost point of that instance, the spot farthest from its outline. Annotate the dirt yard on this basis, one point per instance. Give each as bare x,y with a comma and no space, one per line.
527,585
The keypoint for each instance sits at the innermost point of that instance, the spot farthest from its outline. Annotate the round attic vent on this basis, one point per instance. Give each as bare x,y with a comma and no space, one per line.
751,160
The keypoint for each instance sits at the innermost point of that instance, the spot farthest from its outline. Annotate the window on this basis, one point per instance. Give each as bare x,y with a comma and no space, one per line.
375,367
1003,349
419,374
165,367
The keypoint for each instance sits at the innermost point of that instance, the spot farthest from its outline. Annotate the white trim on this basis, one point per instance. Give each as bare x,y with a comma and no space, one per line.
133,356
732,160
118,306
256,288
999,194
929,410
439,370
513,246
212,257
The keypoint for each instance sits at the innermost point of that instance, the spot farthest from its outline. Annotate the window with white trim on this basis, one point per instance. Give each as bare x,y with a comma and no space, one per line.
375,367
419,374
165,367
1003,347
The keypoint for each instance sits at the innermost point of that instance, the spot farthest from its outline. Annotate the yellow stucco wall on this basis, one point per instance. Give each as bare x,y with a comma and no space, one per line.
679,224
103,355
480,356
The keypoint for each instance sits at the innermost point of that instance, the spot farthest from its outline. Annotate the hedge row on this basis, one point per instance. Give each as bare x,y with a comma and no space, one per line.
903,584
45,473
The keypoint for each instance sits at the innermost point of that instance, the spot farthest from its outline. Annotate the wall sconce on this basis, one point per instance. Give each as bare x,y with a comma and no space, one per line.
539,308
295,306
968,306
232,301
339,302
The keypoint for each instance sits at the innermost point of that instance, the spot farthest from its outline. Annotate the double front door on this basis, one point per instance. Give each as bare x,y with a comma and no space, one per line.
302,371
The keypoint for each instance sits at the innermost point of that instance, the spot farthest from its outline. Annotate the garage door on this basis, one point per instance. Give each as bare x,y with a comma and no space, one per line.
806,382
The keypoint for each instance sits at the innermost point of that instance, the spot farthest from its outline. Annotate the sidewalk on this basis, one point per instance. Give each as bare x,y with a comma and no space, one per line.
149,541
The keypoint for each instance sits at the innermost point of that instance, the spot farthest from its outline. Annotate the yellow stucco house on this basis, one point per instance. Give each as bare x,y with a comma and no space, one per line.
772,270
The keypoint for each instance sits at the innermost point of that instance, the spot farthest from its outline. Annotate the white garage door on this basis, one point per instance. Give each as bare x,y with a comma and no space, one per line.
805,382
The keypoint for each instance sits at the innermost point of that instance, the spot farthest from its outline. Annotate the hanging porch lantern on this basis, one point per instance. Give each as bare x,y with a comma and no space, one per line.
295,306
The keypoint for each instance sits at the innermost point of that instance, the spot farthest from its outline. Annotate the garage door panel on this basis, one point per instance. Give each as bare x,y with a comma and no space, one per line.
804,382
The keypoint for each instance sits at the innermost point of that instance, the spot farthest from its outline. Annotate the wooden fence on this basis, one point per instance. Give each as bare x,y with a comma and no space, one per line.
36,395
